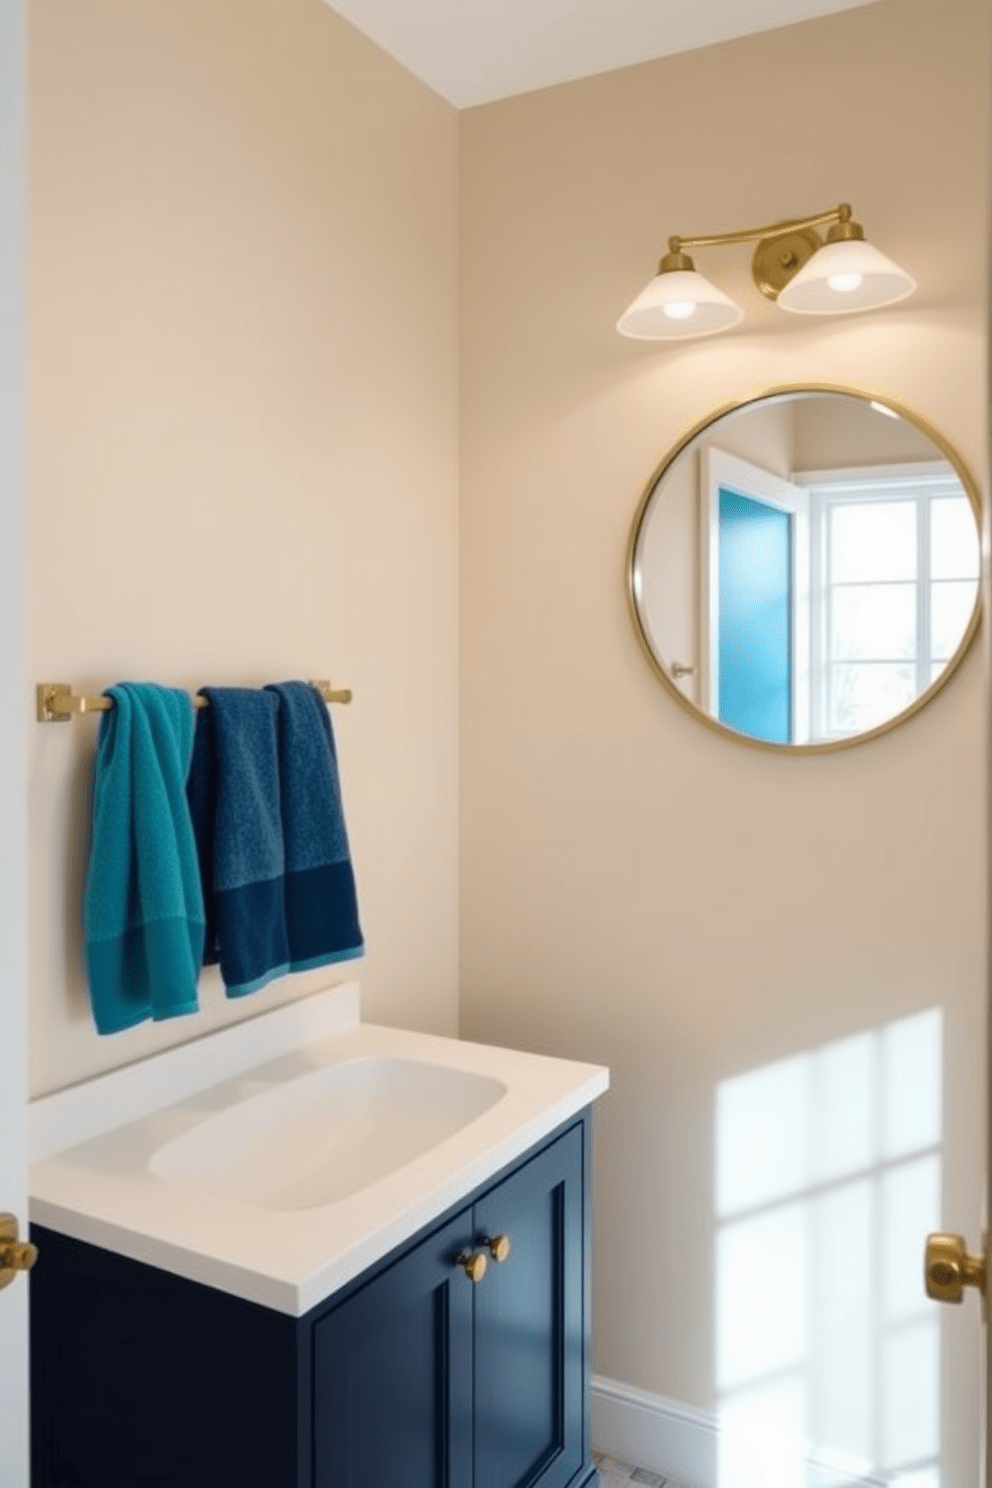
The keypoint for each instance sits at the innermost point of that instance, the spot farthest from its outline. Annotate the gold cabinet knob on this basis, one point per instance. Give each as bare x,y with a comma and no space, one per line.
498,1247
473,1263
949,1268
15,1255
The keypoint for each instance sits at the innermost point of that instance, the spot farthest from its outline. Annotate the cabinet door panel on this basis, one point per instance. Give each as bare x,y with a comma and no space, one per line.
393,1375
529,1325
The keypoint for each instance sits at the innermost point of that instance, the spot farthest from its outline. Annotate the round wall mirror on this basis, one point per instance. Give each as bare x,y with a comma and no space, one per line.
803,567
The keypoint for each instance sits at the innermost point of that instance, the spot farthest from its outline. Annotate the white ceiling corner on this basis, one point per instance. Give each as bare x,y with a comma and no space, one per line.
476,51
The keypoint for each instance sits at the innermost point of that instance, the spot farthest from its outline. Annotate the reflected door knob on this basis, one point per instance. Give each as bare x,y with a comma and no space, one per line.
15,1255
949,1268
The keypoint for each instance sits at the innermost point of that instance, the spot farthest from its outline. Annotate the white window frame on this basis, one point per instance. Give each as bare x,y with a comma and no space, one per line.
922,482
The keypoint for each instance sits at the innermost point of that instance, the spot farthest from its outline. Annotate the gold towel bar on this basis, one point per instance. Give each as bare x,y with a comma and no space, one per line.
57,703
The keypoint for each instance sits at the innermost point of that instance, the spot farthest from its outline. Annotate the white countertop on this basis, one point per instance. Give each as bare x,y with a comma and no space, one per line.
92,1145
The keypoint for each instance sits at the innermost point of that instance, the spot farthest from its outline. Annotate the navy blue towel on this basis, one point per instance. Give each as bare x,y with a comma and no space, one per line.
278,886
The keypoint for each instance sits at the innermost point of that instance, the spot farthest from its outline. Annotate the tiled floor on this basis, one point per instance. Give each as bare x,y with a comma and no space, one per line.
613,1474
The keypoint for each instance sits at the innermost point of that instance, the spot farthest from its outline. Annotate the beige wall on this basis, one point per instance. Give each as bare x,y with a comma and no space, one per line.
243,454
636,889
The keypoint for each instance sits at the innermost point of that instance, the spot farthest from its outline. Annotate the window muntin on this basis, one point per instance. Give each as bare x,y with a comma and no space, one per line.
895,564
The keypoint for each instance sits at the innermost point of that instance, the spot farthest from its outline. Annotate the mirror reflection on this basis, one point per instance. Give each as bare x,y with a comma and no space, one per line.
804,567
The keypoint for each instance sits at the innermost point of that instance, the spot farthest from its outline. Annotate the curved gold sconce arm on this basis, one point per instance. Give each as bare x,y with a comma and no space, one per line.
783,247
840,213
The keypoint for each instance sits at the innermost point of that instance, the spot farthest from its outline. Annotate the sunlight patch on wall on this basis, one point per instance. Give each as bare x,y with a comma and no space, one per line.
828,1179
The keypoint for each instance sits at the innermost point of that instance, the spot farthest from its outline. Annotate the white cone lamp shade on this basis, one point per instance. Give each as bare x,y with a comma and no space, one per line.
677,304
845,276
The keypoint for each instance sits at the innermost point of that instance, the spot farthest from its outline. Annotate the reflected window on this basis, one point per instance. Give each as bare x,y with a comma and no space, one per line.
896,562
827,1179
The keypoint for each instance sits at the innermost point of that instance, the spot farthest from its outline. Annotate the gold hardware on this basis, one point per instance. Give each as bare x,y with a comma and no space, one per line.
846,231
783,249
498,1247
771,230
473,1263
54,702
675,262
778,259
949,1268
15,1255
57,703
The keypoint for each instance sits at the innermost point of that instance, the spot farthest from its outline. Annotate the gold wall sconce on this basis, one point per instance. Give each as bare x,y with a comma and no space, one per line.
792,265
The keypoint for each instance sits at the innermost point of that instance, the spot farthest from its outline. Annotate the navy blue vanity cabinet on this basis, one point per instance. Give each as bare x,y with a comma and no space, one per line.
142,1379
411,1376
426,1379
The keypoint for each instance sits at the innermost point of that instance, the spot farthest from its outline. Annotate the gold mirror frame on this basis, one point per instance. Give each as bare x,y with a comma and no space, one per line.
658,665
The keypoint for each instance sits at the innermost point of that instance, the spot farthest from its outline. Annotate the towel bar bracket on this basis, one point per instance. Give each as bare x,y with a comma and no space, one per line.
57,703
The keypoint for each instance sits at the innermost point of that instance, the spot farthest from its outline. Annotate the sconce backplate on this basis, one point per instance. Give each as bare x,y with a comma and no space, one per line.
777,259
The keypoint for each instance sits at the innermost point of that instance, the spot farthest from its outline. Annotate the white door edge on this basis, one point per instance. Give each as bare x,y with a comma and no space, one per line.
14,718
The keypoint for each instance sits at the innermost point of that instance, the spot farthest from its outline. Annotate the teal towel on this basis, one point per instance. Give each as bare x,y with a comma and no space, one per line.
144,904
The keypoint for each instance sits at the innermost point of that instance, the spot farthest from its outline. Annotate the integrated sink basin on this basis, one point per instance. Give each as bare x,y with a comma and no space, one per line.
280,1157
324,1136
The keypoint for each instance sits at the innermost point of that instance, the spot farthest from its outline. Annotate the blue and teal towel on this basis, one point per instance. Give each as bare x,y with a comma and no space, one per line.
144,907
265,800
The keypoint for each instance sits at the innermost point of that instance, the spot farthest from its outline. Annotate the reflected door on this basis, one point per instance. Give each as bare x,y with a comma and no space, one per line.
755,617
754,592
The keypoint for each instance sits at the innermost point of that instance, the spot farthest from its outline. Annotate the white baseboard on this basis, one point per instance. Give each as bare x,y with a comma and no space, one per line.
680,1442
664,1436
